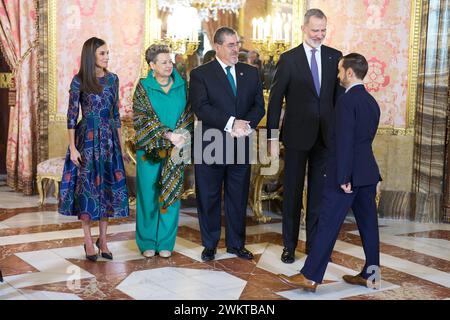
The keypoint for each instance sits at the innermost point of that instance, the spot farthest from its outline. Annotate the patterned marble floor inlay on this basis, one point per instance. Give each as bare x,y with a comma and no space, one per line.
182,283
42,258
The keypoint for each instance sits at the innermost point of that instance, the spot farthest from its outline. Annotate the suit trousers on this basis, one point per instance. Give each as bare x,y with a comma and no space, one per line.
235,179
336,205
295,162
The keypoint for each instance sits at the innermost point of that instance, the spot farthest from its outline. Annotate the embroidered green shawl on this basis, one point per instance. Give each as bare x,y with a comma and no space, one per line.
150,138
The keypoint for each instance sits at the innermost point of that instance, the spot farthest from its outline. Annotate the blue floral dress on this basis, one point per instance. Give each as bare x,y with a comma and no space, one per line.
98,187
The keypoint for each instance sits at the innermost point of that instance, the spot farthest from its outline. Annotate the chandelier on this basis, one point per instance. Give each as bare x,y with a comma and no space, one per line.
181,31
207,9
272,35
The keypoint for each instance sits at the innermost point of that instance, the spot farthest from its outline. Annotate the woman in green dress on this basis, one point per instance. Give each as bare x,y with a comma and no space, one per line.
163,123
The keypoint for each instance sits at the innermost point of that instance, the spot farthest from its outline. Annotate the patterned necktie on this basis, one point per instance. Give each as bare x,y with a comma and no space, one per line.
231,79
315,71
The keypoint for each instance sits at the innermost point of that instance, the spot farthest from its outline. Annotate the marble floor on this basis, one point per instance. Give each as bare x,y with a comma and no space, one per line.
42,258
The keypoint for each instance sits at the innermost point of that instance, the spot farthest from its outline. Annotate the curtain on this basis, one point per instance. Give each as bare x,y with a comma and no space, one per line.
18,36
430,142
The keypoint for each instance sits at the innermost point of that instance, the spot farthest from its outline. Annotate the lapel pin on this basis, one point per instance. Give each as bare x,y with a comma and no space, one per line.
241,73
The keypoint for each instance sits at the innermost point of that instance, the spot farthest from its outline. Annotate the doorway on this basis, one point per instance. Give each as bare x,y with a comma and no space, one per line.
5,86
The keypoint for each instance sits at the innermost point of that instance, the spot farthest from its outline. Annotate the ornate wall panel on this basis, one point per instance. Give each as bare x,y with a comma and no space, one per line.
122,24
386,32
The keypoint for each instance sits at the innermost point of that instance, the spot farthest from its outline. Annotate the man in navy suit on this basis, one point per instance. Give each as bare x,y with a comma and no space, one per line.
351,180
227,98
307,77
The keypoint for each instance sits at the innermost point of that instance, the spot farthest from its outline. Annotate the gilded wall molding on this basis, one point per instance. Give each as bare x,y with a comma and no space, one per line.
298,11
413,65
385,130
52,63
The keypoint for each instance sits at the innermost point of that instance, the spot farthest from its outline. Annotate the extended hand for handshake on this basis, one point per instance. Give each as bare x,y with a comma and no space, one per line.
241,128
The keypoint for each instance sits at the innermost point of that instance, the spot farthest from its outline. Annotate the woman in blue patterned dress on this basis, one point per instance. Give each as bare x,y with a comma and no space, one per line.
93,185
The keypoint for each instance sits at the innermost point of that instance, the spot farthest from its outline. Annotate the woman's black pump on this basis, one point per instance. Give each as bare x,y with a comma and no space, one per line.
106,255
92,258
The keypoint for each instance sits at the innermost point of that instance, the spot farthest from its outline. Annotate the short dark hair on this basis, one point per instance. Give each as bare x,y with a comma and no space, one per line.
152,52
313,13
357,63
218,35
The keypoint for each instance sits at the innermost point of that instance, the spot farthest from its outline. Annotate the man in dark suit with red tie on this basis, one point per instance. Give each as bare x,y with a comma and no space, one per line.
352,176
307,77
227,98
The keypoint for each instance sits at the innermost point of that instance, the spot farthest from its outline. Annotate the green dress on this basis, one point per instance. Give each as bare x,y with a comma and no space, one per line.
155,230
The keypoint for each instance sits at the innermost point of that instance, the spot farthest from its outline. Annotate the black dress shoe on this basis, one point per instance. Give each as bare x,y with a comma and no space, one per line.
92,258
241,253
208,254
106,255
288,256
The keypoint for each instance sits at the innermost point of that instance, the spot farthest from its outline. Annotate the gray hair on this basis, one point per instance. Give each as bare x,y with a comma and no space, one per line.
152,52
313,13
218,35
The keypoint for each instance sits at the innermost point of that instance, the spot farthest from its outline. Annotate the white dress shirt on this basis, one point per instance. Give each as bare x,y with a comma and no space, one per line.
229,126
232,70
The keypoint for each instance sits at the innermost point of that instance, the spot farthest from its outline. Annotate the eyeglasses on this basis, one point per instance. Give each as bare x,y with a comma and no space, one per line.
231,46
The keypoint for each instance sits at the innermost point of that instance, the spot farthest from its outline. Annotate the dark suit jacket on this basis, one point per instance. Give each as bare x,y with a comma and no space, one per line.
213,101
356,123
305,111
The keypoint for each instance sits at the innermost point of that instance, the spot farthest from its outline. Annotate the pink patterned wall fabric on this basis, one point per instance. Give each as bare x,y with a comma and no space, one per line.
120,23
378,29
19,41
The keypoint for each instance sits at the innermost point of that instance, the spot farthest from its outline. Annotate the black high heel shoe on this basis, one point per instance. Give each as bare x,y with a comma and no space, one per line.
106,255
92,258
